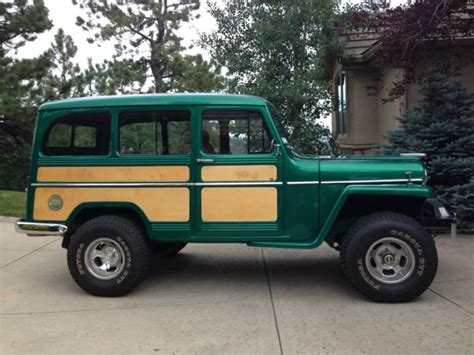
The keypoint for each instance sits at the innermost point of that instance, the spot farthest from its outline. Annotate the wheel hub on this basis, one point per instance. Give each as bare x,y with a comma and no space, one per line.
390,260
104,258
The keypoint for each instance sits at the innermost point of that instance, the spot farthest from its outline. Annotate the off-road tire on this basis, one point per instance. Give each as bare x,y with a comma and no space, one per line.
168,249
135,246
365,232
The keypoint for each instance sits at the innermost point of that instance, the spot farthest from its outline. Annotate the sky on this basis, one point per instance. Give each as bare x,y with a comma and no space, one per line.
63,15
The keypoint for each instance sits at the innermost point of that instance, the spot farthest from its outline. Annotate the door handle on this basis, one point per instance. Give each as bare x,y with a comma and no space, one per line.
205,160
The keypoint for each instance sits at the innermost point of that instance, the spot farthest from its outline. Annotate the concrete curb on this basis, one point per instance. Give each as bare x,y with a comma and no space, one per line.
8,219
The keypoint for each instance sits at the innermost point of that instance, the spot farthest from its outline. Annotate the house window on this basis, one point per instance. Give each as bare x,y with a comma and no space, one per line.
341,103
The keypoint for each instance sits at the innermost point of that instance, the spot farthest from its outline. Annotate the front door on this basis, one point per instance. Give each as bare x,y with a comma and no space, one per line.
238,176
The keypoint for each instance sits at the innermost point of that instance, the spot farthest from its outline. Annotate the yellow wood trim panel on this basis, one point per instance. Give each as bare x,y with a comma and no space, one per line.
159,204
239,173
113,174
239,204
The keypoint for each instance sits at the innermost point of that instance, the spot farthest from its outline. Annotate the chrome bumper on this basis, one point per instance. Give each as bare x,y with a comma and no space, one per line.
434,216
34,229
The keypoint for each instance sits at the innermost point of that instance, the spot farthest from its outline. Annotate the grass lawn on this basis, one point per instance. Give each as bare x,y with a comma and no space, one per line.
12,203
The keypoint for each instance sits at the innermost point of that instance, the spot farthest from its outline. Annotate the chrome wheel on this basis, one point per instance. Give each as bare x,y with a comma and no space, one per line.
390,260
104,258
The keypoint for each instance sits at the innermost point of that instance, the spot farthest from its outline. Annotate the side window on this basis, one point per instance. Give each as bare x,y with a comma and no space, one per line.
79,134
60,135
85,137
155,132
234,132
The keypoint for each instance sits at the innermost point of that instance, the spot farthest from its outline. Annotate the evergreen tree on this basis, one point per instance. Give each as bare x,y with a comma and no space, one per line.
20,86
63,78
111,78
442,126
145,30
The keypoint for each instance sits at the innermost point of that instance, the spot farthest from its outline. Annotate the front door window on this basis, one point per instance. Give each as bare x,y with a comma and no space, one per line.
234,132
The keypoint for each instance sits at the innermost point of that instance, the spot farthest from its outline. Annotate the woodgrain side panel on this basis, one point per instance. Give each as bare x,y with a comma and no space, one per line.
239,204
113,174
159,204
239,173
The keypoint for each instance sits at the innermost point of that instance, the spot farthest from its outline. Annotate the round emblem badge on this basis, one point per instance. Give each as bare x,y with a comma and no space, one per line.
55,202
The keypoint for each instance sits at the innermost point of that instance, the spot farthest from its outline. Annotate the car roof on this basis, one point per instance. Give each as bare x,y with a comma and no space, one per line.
154,99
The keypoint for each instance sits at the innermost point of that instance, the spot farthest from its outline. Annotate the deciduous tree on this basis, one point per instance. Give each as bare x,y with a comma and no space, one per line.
275,49
410,33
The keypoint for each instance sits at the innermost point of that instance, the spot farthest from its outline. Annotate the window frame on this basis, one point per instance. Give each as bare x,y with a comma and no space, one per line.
45,136
153,109
248,110
341,109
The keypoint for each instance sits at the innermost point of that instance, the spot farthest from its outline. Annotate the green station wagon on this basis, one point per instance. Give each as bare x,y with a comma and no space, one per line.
126,178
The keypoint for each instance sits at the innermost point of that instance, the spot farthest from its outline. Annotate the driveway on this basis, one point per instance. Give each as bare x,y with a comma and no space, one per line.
229,299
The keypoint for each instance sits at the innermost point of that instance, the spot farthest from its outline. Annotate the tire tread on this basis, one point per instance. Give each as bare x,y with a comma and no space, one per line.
353,232
142,259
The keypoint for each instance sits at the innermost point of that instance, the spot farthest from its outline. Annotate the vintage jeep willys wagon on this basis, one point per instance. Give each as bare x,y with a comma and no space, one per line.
123,177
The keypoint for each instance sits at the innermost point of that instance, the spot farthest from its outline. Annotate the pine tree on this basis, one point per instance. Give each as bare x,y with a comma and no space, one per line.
146,31
64,75
20,79
442,126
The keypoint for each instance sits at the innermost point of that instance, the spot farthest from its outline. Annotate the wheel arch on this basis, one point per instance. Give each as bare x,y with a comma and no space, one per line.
356,201
86,211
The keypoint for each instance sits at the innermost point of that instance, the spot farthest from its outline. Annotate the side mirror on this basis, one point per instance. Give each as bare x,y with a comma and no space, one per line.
277,146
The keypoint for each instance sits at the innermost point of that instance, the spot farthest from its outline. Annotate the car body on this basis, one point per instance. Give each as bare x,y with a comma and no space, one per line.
207,168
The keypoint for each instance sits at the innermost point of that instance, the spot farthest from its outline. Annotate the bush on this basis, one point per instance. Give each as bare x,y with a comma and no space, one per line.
14,165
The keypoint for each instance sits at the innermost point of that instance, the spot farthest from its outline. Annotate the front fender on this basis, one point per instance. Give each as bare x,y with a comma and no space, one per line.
420,191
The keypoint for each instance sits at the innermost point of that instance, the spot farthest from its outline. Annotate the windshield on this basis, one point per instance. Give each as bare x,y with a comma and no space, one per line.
321,142
278,121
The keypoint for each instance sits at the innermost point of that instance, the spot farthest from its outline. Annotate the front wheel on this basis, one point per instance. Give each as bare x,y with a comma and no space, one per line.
389,257
108,256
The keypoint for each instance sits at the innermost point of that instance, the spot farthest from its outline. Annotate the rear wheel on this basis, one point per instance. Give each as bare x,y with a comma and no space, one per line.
389,257
108,256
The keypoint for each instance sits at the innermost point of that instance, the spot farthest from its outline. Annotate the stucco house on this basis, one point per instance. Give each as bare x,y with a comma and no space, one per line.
361,121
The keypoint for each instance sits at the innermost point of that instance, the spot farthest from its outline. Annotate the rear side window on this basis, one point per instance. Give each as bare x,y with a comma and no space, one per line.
155,132
79,134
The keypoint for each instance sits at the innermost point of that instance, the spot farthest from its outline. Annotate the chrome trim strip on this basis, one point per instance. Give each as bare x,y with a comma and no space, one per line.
109,184
302,182
417,155
253,183
152,184
369,181
235,183
40,229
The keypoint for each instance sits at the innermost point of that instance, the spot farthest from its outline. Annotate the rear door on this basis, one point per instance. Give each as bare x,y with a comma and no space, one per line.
238,175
